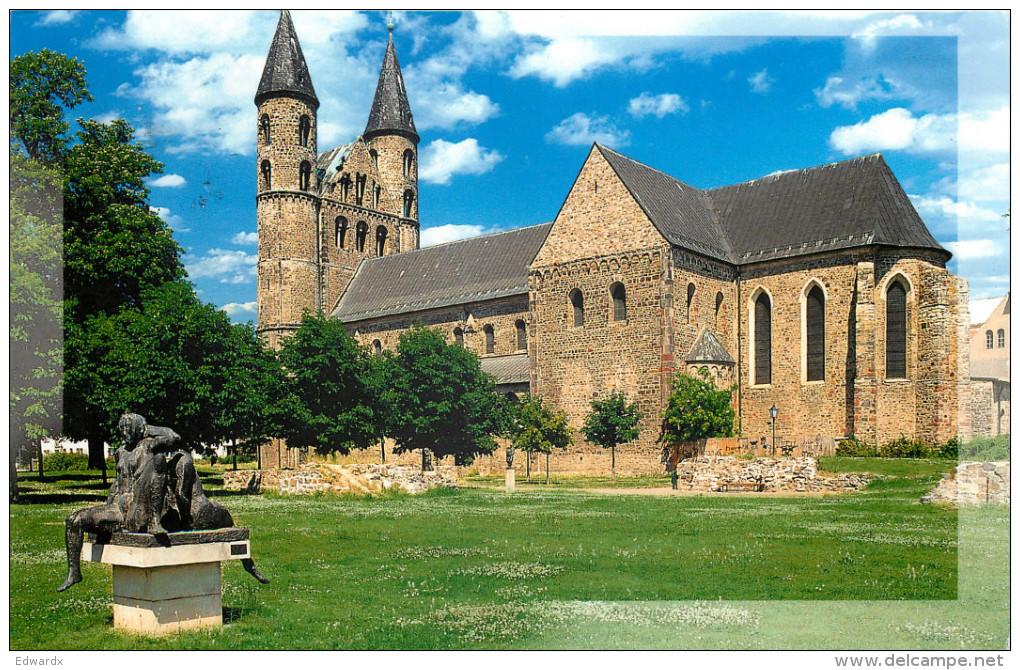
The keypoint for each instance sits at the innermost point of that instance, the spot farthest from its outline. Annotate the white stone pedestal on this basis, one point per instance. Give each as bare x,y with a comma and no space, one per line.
164,589
511,479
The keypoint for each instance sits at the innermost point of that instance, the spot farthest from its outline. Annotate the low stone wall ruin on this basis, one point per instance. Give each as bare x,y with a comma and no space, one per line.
358,478
973,484
710,473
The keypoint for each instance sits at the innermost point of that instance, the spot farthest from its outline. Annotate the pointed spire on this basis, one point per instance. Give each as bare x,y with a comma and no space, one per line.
286,70
391,113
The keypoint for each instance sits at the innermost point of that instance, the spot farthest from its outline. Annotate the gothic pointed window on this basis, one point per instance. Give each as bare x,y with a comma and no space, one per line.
408,163
408,203
306,175
361,234
264,129
458,337
619,296
1002,338
304,130
577,307
896,331
522,335
341,232
267,174
763,339
490,340
380,241
815,318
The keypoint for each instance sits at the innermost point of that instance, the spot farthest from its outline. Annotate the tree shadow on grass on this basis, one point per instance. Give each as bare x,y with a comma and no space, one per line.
59,498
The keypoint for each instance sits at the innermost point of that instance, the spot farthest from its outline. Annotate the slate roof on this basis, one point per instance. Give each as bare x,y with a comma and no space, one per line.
286,70
508,369
708,349
455,273
390,110
838,206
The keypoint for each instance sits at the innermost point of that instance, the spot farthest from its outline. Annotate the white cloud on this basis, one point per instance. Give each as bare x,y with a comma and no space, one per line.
966,250
232,266
986,183
564,60
245,238
898,129
234,309
967,212
657,105
57,17
580,129
449,233
168,181
171,219
839,91
445,104
441,160
761,82
898,25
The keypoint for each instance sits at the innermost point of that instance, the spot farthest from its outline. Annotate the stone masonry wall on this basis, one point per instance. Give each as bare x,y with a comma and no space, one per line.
973,484
711,473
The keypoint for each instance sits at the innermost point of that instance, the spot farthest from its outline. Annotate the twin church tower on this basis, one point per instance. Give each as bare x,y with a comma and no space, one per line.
320,214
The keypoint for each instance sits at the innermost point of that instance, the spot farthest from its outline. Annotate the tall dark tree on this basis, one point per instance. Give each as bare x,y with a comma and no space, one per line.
331,378
42,85
441,401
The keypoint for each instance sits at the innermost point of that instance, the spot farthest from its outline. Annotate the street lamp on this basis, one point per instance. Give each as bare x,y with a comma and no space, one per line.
773,412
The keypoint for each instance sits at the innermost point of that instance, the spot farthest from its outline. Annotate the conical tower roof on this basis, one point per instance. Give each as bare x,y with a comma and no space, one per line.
391,113
286,70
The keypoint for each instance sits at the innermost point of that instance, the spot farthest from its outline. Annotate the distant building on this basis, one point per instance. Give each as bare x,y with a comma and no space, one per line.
820,291
989,372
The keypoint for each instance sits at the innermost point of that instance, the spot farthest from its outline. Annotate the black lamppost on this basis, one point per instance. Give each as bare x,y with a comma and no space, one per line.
773,412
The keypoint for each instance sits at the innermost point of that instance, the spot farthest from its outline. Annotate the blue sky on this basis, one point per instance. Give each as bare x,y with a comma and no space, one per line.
508,103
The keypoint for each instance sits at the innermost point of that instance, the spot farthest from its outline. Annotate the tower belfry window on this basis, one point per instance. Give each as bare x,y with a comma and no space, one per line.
408,203
304,130
361,234
341,232
306,175
376,194
267,174
408,163
345,187
264,129
359,189
375,158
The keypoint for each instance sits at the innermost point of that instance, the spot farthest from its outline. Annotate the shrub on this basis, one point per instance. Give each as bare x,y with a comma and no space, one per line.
851,446
986,449
65,462
904,447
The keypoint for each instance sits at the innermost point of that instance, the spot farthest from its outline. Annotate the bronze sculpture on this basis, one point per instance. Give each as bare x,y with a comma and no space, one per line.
156,491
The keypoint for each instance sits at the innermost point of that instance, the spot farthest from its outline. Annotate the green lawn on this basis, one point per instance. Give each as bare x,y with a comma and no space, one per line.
560,567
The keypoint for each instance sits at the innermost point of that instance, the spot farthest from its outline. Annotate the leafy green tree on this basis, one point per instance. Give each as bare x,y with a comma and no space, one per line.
441,401
330,376
539,429
36,308
612,421
180,363
695,410
115,249
42,85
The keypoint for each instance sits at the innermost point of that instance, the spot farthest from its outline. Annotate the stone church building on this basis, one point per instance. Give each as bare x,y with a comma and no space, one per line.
819,291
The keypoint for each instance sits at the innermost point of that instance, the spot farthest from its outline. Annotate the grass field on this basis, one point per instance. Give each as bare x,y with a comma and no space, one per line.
559,567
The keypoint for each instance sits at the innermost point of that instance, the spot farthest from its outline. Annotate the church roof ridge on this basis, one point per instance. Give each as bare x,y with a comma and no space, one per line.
286,70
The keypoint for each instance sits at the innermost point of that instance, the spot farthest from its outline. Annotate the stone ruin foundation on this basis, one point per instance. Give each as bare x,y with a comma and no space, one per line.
973,484
365,478
799,474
